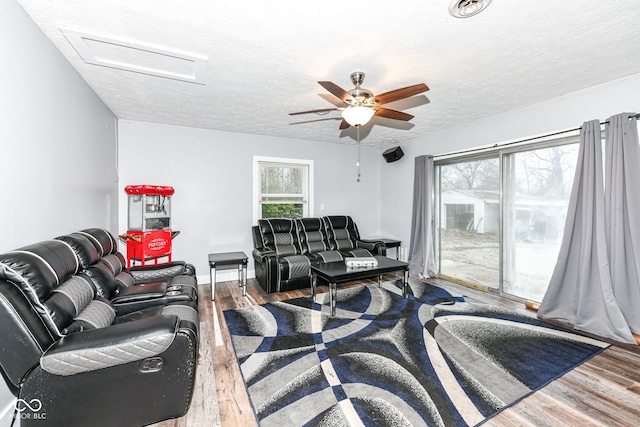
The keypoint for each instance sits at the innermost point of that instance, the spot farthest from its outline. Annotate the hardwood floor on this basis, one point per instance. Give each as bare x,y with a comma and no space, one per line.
604,391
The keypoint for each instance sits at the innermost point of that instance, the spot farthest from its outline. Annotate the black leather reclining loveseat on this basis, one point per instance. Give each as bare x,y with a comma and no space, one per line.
285,249
86,341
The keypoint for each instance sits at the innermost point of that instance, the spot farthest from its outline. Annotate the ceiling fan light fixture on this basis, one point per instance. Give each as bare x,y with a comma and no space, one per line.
357,115
467,8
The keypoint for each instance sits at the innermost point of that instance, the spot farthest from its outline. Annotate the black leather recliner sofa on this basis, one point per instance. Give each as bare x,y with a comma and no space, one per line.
79,356
285,249
129,289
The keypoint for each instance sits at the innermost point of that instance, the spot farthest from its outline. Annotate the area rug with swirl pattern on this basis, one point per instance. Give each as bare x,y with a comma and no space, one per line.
431,359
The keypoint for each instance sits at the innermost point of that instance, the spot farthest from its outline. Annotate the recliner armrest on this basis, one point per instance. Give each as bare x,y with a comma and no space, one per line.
144,291
260,255
119,344
376,247
266,267
156,273
154,294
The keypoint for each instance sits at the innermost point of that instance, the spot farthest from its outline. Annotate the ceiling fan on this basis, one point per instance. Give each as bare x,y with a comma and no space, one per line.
361,104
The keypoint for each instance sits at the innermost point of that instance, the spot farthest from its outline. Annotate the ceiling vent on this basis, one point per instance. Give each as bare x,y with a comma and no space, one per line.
467,8
137,57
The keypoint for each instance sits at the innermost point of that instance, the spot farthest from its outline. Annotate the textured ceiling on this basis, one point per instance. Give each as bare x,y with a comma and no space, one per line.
263,59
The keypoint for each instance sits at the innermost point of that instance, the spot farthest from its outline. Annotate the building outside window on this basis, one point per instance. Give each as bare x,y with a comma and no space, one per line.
283,188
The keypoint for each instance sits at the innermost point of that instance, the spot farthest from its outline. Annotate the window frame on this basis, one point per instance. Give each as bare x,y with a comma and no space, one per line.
308,206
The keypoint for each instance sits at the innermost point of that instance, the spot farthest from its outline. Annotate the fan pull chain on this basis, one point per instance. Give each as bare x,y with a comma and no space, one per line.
358,161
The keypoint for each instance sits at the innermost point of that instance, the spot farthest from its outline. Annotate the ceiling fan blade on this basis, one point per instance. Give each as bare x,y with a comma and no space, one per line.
320,110
344,124
398,94
393,114
336,90
316,120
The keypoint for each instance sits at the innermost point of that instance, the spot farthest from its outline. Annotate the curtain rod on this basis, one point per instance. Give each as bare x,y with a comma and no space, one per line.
473,150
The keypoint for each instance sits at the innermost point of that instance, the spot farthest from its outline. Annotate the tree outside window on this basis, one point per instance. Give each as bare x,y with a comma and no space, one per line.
284,189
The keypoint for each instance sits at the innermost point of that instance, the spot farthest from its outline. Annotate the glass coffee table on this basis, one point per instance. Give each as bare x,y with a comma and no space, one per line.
338,272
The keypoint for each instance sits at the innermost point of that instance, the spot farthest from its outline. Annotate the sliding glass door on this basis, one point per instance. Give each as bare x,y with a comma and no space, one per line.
500,217
537,185
469,220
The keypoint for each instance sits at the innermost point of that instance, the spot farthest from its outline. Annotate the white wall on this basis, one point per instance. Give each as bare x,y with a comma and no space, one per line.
558,114
211,172
57,139
57,146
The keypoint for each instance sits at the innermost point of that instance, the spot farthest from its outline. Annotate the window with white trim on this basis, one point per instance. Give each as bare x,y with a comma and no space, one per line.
283,188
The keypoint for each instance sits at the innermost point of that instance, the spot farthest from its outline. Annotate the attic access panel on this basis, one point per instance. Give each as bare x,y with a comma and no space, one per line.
137,57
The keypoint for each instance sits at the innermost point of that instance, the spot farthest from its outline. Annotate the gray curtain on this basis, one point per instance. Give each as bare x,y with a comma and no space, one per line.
622,213
422,262
581,290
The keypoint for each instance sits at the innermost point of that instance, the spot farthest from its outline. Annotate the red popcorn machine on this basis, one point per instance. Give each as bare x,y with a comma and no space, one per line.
149,233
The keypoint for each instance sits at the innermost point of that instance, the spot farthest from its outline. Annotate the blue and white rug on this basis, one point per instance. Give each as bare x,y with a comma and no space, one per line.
383,360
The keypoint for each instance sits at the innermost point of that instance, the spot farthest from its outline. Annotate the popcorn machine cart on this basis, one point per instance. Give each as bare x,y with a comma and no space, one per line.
149,233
